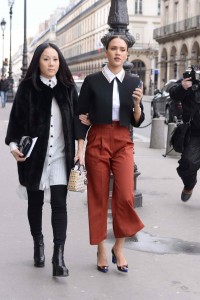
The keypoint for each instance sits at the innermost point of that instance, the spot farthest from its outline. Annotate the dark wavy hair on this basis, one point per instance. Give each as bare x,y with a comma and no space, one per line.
116,37
63,75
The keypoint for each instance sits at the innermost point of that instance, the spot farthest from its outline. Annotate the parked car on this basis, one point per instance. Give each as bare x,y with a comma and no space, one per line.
162,104
78,83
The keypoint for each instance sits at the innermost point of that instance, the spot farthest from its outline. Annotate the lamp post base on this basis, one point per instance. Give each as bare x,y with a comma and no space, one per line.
137,199
10,96
137,194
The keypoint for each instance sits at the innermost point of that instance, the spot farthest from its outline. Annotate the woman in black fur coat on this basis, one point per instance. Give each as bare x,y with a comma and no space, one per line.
44,107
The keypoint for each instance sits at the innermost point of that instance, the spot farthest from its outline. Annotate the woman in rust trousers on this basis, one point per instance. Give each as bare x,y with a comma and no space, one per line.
112,98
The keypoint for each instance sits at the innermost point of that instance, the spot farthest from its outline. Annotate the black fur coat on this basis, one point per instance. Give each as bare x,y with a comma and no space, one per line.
30,115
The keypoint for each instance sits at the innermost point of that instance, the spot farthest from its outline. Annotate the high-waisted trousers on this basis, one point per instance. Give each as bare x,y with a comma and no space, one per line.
109,148
58,212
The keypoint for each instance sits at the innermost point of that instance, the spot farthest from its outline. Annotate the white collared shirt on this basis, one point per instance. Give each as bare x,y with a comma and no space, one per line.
54,170
115,99
50,82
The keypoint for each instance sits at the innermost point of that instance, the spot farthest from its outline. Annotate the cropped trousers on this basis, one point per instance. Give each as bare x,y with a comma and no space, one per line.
58,212
109,148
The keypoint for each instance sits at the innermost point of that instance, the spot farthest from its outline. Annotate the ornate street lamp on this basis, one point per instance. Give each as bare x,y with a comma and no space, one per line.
118,21
24,57
10,78
3,27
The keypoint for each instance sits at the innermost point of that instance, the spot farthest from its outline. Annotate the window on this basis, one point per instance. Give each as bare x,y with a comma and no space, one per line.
139,68
159,7
176,12
138,7
166,15
187,9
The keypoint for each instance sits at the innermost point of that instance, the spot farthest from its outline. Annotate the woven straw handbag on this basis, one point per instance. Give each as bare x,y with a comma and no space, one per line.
78,178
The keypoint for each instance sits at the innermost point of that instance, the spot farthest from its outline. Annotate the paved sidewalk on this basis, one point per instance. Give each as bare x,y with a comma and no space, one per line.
163,258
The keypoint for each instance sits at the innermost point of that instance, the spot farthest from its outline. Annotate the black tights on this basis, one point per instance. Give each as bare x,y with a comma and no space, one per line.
58,215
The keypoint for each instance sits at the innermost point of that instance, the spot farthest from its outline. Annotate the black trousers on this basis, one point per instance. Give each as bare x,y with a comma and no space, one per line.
58,212
189,163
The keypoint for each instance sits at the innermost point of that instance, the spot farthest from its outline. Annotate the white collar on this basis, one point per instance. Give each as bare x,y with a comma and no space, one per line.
50,82
110,76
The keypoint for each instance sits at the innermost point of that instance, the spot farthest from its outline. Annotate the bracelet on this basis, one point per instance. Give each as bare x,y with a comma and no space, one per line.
138,110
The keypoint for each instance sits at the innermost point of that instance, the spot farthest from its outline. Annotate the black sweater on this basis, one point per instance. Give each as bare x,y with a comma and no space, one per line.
96,99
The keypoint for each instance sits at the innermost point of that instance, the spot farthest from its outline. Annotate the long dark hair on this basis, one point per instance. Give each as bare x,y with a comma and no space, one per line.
116,37
63,75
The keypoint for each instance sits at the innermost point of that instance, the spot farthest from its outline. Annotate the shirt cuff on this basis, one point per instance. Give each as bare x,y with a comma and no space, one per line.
13,146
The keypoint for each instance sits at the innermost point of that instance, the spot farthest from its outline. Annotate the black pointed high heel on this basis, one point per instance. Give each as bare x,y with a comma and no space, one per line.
103,269
123,268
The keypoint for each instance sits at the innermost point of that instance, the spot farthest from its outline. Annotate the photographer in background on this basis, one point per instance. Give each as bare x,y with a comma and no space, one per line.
187,90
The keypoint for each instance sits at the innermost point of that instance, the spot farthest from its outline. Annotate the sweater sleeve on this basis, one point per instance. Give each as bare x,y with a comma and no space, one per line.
82,108
142,117
17,120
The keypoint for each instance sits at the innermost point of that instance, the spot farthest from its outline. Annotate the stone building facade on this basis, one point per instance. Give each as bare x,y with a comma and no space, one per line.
79,29
178,38
46,33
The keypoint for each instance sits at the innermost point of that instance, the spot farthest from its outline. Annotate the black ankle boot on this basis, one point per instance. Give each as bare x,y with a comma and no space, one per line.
39,257
59,268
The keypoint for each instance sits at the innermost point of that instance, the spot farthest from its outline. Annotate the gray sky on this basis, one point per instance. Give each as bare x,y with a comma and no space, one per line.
37,11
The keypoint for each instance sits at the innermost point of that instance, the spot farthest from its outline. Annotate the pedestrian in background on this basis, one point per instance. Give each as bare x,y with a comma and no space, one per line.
44,107
189,163
4,88
112,98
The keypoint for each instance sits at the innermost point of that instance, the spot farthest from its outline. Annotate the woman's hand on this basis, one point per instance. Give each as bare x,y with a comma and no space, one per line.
79,156
80,152
137,95
85,119
18,155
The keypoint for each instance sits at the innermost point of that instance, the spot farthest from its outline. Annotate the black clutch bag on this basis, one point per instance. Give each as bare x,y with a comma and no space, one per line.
25,144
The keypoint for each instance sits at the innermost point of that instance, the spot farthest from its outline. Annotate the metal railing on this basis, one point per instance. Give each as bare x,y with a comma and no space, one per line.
174,28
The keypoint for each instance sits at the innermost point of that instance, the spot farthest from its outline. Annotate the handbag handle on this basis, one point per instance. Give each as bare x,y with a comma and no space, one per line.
80,167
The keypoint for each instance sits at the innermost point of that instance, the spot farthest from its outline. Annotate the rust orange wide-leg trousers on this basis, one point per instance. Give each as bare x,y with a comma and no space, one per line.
109,147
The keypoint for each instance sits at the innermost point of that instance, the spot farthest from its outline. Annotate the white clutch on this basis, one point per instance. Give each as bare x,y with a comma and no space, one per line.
77,179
